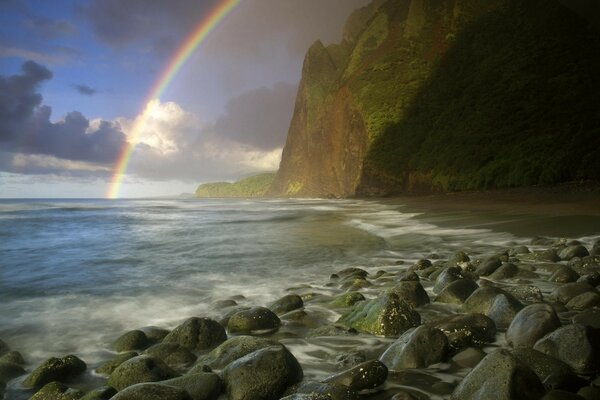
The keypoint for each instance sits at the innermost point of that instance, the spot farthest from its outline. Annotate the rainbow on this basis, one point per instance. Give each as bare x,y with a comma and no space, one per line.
183,53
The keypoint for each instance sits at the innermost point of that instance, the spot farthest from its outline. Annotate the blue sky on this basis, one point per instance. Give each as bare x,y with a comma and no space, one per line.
74,75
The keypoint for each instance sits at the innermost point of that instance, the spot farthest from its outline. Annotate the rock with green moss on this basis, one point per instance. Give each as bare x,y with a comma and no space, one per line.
132,340
173,354
13,357
154,333
9,371
347,299
387,315
416,348
109,366
55,369
139,370
197,334
57,391
200,386
412,292
152,391
365,376
286,304
253,321
102,393
230,350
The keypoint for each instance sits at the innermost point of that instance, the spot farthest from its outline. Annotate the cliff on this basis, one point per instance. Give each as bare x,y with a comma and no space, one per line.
254,186
441,95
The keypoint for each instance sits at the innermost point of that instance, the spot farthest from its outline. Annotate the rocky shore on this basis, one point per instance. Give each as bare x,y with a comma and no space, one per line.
520,324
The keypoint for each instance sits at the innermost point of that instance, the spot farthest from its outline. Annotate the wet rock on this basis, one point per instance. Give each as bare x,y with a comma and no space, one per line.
286,304
416,348
412,292
503,310
420,265
199,386
263,374
469,357
132,340
499,376
367,375
589,318
564,275
331,390
566,292
219,304
466,330
56,391
350,359
554,373
592,279
331,330
457,292
531,324
481,299
506,271
561,395
387,315
460,257
254,320
408,276
573,251
55,369
306,396
549,255
9,371
446,277
353,271
584,301
102,393
576,345
347,299
526,293
173,354
197,334
152,391
3,348
13,357
140,369
518,250
404,395
589,393
108,367
488,266
155,334
229,351
355,284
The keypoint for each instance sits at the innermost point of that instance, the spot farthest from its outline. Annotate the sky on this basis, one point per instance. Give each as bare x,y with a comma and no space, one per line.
75,76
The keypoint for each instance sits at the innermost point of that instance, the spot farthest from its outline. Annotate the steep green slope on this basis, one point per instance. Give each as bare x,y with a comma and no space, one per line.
254,186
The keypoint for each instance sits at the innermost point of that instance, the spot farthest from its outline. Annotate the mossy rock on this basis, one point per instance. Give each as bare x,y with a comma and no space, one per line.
412,292
57,391
254,321
286,304
230,350
109,366
132,340
152,391
365,376
13,357
200,386
347,299
467,330
197,334
140,369
103,393
416,348
173,354
55,369
9,371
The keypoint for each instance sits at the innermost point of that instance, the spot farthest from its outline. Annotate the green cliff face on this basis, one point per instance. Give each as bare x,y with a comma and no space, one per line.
436,95
254,186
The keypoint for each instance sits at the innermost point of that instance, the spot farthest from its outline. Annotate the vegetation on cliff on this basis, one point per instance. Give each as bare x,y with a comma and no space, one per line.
254,186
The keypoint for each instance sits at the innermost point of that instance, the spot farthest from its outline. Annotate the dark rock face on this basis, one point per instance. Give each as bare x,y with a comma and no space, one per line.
573,251
367,375
554,373
199,386
261,375
132,340
589,318
55,369
531,324
416,348
173,354
109,366
507,270
197,334
140,369
488,266
57,391
232,349
102,393
412,292
347,299
499,376
564,275
466,330
446,277
503,310
331,391
481,299
254,320
584,301
457,292
10,370
152,391
286,304
568,291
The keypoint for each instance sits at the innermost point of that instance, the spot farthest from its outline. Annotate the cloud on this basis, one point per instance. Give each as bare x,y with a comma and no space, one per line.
49,28
85,90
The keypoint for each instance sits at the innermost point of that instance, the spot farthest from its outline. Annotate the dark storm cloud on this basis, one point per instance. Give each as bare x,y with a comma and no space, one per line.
25,125
260,117
85,90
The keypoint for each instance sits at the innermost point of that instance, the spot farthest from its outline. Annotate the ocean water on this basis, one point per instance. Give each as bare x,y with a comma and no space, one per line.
75,274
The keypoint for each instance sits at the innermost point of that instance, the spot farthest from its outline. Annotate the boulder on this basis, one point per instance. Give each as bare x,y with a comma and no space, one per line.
589,393
232,349
57,391
408,276
152,391
590,317
488,266
102,393
549,255
200,386
347,299
506,271
387,315
154,333
481,299
412,292
526,293
573,251
503,310
554,373
109,366
466,330
140,369
457,292
55,369
446,277
10,370
331,390
531,324
584,301
367,375
416,348
286,304
564,275
499,376
129,341
469,357
3,348
253,321
561,395
197,334
173,354
262,375
566,292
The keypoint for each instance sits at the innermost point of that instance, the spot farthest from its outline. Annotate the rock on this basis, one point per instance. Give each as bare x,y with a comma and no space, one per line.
140,369
408,276
353,271
589,393
347,299
103,393
132,340
526,293
488,266
200,386
466,330
469,357
9,371
3,348
350,359
354,284
197,334
460,257
387,315
219,304
254,321
331,330
584,301
576,345
55,369
549,255
481,299
108,367
56,391
307,396
331,390
420,265
499,376
531,324
446,277
152,391
561,395
229,351
518,250
503,310
404,395
548,369
286,304
13,357
592,278
589,318
564,275
367,375
173,354
154,333
506,271
416,348
566,292
457,292
263,374
573,251
412,292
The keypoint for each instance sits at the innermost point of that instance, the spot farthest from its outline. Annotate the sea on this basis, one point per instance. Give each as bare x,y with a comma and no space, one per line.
75,274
